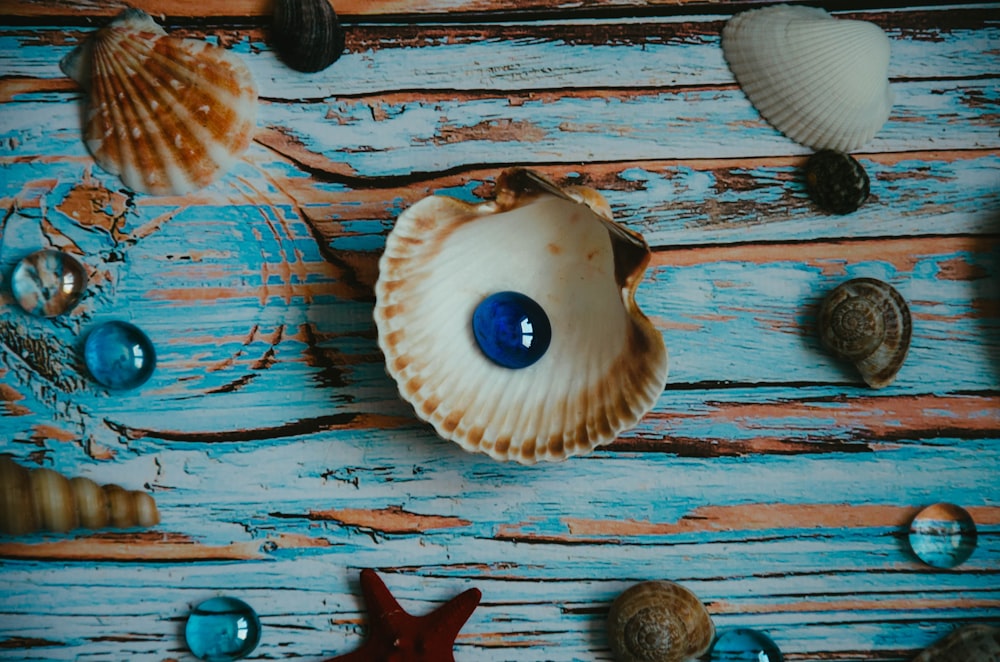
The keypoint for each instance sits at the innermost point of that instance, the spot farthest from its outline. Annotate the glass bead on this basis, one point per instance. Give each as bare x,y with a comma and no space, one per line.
48,283
943,535
119,355
222,629
511,329
745,645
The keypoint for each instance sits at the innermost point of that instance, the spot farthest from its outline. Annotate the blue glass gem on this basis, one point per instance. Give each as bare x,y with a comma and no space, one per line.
511,329
745,645
943,535
119,355
48,282
222,629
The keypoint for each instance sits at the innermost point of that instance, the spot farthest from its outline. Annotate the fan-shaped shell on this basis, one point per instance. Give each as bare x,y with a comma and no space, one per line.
822,81
970,643
867,322
605,365
659,621
167,115
45,500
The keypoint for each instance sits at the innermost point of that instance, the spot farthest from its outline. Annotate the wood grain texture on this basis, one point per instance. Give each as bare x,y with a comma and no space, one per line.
767,478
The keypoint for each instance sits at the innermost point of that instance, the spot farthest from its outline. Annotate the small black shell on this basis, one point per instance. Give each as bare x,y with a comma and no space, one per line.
307,34
836,181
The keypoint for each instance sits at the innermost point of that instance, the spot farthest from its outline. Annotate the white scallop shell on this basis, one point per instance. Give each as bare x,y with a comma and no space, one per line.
820,80
606,364
167,115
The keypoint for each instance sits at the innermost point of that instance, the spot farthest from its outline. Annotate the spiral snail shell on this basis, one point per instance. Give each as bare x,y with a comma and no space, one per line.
659,621
867,322
45,500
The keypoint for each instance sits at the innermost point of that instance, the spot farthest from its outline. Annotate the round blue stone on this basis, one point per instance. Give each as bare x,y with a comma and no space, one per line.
511,329
222,629
745,645
119,355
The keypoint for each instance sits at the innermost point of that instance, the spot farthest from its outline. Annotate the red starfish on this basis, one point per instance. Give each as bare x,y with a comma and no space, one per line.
396,636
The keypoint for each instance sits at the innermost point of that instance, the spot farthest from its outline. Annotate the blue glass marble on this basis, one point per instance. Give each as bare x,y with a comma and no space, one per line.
511,329
119,355
745,645
943,535
48,283
222,629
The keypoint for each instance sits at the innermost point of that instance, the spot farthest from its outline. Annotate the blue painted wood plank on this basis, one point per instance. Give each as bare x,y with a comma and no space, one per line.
766,478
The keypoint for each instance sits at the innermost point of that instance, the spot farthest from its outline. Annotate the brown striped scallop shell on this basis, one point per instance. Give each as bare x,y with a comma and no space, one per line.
606,364
867,322
167,115
45,500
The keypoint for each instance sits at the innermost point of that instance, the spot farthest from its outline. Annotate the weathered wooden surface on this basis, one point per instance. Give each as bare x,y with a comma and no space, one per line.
766,479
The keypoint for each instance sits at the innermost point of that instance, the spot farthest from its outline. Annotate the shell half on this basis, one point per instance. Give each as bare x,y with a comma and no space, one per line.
820,80
605,365
167,115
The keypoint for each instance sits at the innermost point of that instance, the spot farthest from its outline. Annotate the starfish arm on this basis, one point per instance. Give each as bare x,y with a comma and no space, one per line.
385,615
447,620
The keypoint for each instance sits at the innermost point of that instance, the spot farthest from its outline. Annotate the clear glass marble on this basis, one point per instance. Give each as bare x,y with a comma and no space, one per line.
511,329
943,535
48,283
119,355
222,629
745,645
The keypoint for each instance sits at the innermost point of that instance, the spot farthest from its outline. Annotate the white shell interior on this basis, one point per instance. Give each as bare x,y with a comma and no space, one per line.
439,266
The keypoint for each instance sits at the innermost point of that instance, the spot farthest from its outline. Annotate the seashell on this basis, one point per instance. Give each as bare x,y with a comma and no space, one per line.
820,80
659,621
605,364
867,322
836,181
307,34
970,643
44,500
167,115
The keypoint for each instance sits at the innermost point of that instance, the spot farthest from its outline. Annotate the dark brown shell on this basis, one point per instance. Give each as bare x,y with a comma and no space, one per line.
836,181
867,322
307,34
971,643
659,621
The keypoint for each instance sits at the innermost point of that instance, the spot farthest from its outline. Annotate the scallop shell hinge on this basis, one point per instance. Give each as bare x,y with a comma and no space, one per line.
603,364
820,80
45,500
167,115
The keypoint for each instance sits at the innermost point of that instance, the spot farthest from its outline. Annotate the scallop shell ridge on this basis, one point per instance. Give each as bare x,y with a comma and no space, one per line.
820,80
445,256
167,115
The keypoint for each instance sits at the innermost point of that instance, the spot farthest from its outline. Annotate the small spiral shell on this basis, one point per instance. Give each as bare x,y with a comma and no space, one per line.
868,323
970,643
45,500
659,621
